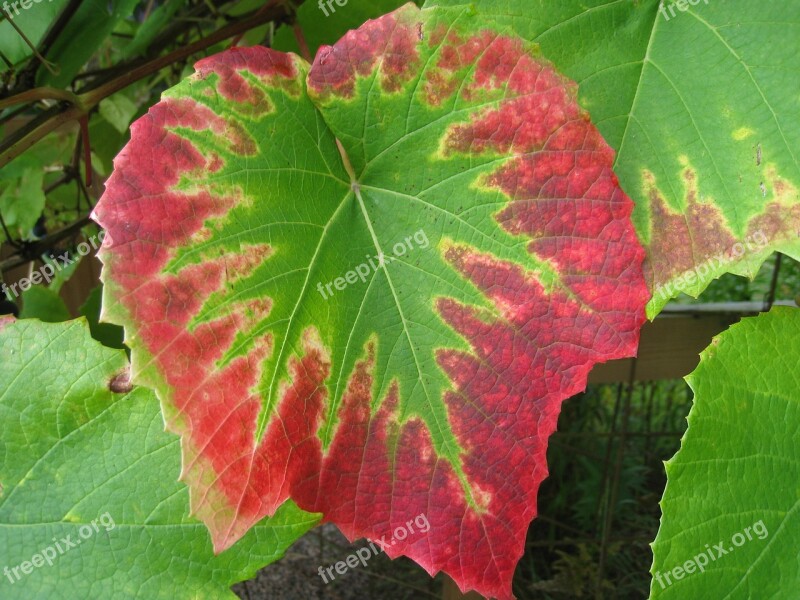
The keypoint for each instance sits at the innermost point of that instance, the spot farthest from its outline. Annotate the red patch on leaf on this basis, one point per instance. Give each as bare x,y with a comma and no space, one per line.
538,104
270,68
392,39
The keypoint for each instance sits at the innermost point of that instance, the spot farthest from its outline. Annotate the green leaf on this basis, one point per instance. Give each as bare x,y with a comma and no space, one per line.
699,106
154,24
106,142
22,199
43,303
384,333
92,23
23,180
730,510
79,446
118,110
107,334
33,22
323,23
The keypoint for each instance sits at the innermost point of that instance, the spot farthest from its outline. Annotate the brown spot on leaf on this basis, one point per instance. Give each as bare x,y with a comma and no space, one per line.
681,240
121,382
777,222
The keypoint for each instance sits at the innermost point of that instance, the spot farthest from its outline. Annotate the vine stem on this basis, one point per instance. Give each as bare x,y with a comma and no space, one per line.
80,105
47,65
301,43
40,93
87,149
266,7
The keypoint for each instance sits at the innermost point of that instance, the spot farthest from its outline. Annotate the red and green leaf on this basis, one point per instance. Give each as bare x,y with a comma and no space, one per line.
694,98
430,387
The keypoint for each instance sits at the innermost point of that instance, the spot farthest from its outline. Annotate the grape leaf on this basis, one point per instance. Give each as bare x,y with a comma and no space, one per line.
387,344
73,451
730,519
699,106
